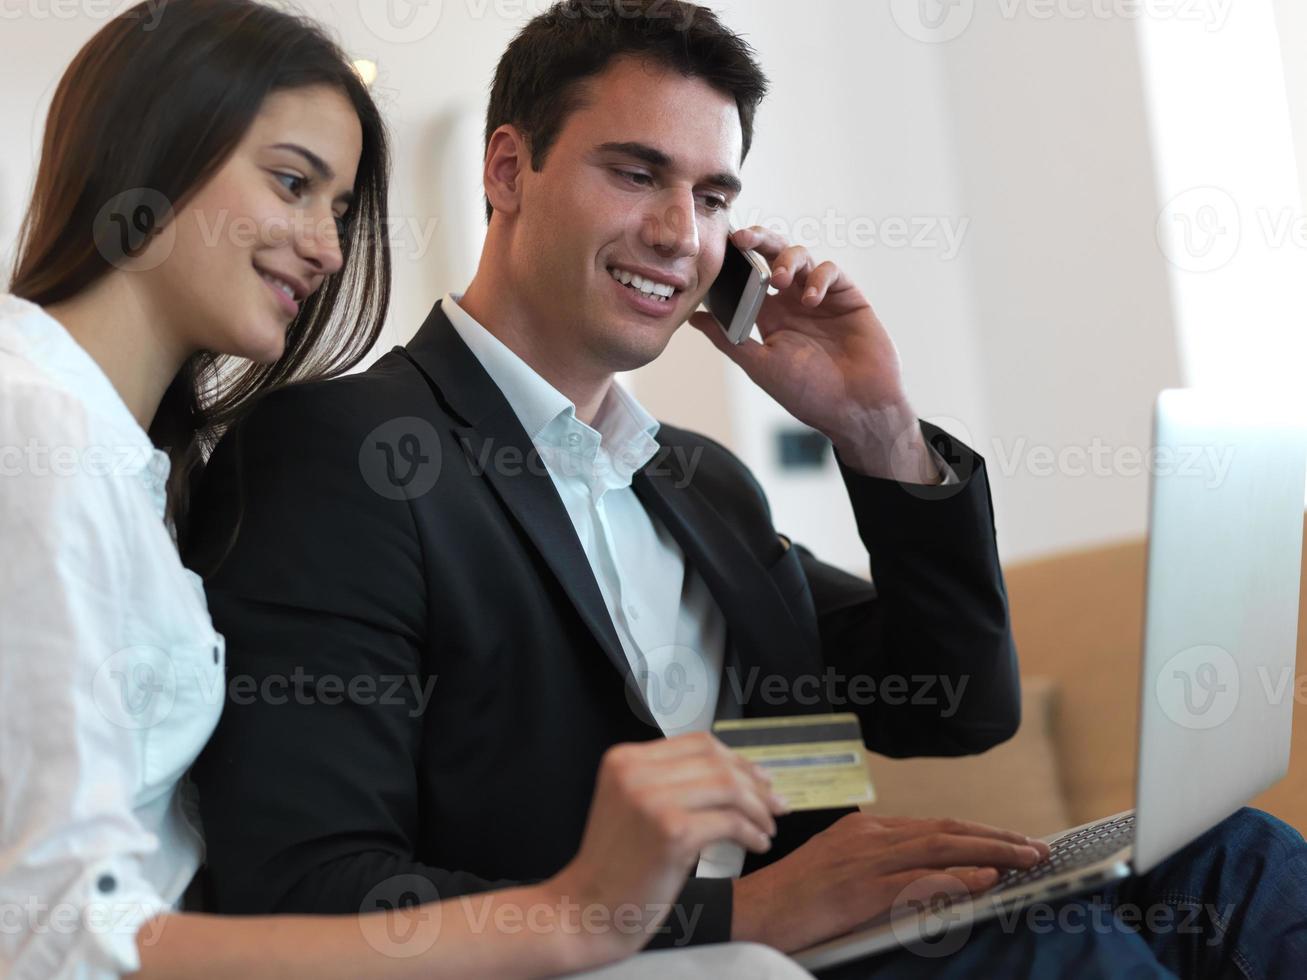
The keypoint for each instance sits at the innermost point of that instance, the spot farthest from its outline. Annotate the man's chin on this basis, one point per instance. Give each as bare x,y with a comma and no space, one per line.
630,353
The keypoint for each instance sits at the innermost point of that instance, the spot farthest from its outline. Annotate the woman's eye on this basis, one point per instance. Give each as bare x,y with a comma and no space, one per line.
342,226
293,183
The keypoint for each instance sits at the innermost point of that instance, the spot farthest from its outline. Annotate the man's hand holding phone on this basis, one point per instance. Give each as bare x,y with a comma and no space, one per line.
828,360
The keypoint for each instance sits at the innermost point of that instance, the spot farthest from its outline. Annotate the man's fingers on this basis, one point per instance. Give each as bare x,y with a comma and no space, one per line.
709,826
748,355
947,851
764,241
820,282
967,827
720,790
690,758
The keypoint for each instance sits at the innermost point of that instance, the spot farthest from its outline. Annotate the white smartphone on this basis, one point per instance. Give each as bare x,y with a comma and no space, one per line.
735,298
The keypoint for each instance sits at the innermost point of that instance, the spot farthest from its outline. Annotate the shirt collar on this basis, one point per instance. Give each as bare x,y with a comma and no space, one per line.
622,427
28,331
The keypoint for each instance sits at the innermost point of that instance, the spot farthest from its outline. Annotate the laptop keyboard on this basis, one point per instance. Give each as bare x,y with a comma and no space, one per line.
1079,850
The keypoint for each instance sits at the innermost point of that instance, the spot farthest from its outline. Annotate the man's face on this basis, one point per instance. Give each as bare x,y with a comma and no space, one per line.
638,183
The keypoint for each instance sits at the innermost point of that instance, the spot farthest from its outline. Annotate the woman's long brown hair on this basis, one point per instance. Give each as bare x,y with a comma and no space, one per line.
148,111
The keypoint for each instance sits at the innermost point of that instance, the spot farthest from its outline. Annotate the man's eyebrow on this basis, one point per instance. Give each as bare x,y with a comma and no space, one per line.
657,158
317,164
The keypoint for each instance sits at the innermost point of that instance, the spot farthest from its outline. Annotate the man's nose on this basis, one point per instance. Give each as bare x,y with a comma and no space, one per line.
669,227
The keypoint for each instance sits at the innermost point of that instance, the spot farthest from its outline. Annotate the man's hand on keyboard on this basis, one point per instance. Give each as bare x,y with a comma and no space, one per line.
857,869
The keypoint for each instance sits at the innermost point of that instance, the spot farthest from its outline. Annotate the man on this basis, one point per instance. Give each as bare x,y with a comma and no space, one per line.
503,565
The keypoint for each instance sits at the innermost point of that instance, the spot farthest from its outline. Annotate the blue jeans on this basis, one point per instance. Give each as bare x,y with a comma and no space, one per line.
1231,904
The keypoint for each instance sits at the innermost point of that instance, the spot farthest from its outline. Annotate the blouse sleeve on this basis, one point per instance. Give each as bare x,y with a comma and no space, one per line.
73,702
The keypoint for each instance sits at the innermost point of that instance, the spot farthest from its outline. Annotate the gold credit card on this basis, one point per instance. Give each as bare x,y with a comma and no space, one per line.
816,762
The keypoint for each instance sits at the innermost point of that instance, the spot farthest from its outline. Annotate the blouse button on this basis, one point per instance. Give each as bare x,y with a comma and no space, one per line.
106,883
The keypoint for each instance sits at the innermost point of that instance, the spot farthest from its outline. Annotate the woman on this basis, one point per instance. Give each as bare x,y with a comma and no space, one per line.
203,229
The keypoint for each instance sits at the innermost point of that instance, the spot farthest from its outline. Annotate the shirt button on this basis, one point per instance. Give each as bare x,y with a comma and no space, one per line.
633,612
574,438
106,883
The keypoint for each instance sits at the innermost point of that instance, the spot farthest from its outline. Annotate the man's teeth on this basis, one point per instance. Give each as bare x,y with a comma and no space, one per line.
285,287
646,287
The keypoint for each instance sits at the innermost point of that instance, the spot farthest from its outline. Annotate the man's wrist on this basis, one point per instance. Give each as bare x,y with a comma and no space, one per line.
747,924
888,443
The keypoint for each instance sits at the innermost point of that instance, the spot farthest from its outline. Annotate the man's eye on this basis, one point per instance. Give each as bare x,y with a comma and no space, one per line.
715,204
635,177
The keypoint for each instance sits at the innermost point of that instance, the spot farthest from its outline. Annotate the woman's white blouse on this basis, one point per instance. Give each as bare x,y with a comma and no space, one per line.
111,674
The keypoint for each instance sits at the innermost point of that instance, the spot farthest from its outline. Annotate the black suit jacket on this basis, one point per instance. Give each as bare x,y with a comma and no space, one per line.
331,787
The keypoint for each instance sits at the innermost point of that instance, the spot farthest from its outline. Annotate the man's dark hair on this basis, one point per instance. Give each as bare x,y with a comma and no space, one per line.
538,80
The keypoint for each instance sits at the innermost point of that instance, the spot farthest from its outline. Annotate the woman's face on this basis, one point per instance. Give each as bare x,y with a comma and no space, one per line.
262,234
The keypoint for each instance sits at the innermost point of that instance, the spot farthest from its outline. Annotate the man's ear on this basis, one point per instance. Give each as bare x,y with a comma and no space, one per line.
507,157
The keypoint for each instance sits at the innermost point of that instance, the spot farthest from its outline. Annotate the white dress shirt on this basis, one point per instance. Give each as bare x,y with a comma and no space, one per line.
112,676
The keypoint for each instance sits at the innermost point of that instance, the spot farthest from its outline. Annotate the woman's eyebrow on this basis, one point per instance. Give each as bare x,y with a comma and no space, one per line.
318,165
315,162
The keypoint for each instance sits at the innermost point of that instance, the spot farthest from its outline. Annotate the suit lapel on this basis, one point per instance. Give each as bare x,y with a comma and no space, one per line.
489,426
766,641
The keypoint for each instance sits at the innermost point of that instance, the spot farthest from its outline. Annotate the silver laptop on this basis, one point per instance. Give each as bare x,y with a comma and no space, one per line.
1224,561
